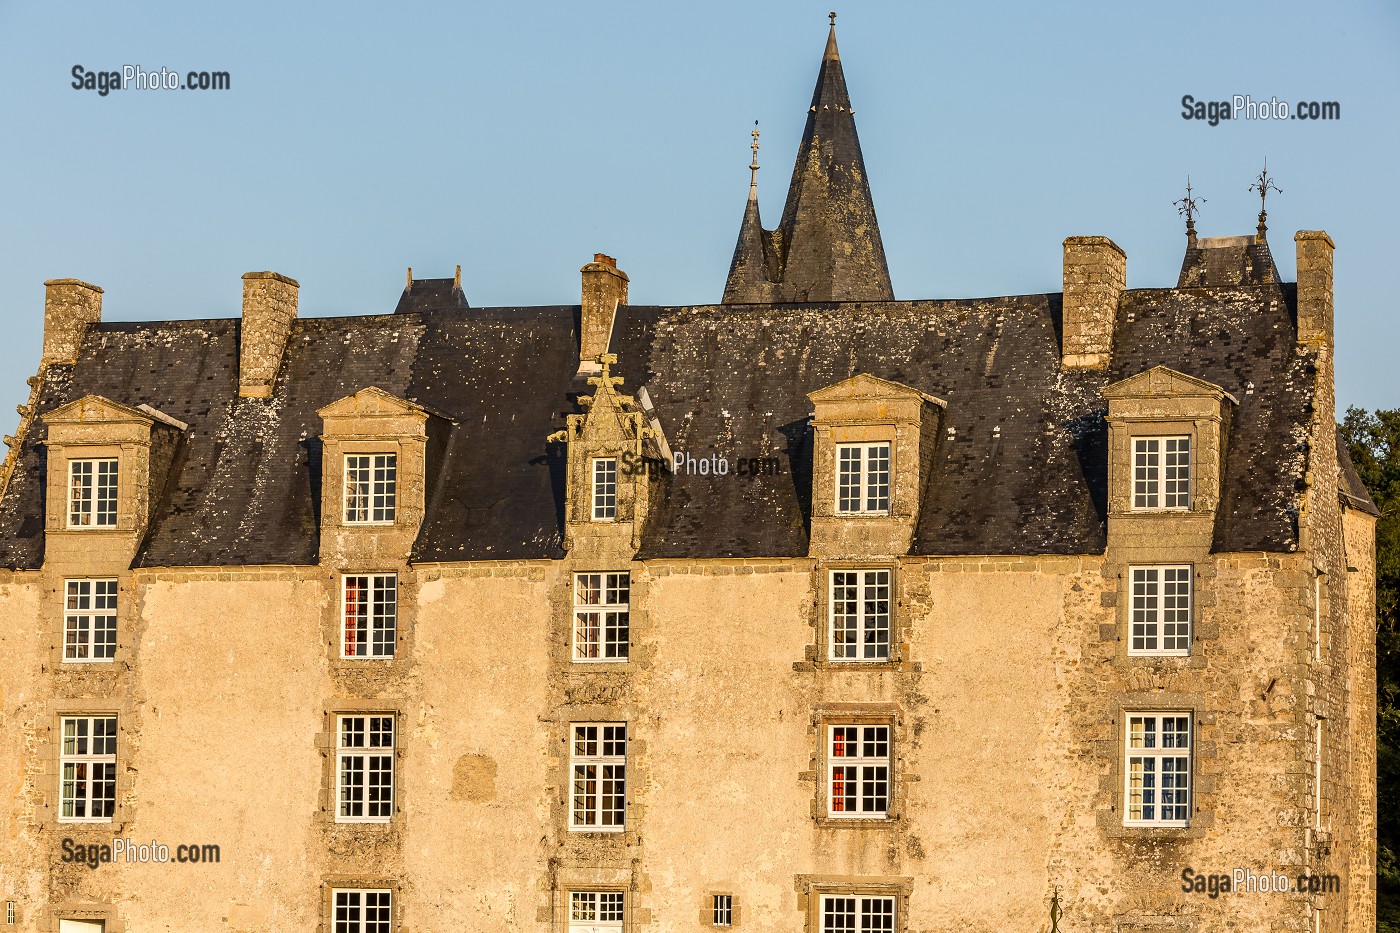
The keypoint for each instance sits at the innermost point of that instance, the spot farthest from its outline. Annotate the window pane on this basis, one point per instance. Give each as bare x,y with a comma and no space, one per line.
877,478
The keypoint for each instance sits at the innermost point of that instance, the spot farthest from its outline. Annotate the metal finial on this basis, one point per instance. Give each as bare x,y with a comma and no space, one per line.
1188,206
833,18
753,166
1263,184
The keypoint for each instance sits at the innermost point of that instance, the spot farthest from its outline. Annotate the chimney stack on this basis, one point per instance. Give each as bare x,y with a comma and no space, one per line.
70,306
1096,272
604,289
269,308
1314,249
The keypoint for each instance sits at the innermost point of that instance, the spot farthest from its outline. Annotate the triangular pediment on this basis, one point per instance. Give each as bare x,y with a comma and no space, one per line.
94,409
370,401
866,386
1163,382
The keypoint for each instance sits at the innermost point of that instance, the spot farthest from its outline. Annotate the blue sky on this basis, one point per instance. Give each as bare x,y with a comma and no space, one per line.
519,138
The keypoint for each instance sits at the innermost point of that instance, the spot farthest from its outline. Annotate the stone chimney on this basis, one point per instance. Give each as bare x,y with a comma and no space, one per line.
604,289
1096,272
70,306
1314,249
269,308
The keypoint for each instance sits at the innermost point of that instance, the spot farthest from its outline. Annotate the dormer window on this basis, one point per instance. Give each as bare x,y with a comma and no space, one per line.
604,489
92,493
1162,473
863,479
371,488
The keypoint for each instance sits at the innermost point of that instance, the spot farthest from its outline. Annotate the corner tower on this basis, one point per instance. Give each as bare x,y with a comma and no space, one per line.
827,246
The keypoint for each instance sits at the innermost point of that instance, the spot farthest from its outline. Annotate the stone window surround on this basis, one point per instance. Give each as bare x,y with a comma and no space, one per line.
1203,633
359,446
1114,749
83,910
51,792
328,742
569,877
816,654
810,889
561,645
584,842
353,673
876,714
125,455
54,602
707,907
843,435
331,882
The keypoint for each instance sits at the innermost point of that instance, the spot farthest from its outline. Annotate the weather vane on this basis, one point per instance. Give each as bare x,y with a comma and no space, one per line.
1263,184
833,17
1188,206
753,166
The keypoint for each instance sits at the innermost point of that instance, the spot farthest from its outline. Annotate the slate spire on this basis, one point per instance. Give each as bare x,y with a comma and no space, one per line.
827,246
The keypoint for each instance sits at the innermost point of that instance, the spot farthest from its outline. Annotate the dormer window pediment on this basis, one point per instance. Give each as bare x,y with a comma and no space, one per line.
872,454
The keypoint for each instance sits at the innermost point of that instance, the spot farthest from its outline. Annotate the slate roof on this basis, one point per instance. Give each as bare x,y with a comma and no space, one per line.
1227,260
1022,473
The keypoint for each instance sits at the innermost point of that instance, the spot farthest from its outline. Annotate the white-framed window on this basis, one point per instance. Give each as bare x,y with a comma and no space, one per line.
364,785
89,620
598,764
363,910
88,769
858,771
724,910
857,912
863,479
371,488
1161,611
596,911
604,489
860,615
1157,771
371,610
1162,472
92,493
602,616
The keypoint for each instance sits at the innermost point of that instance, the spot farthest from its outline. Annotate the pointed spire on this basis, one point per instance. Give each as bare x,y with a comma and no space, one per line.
827,247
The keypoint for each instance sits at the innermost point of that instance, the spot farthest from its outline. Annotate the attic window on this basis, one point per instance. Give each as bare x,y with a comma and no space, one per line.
604,489
371,488
1161,473
92,493
863,479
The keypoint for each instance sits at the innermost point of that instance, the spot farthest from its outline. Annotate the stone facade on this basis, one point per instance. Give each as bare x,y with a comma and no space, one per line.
1006,675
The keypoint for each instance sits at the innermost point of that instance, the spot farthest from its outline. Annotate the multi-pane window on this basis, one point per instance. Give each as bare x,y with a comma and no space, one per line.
365,768
604,489
863,479
89,620
371,615
601,616
371,488
1161,472
92,493
1161,610
88,766
843,912
598,760
1158,769
595,911
724,910
860,615
858,768
363,910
